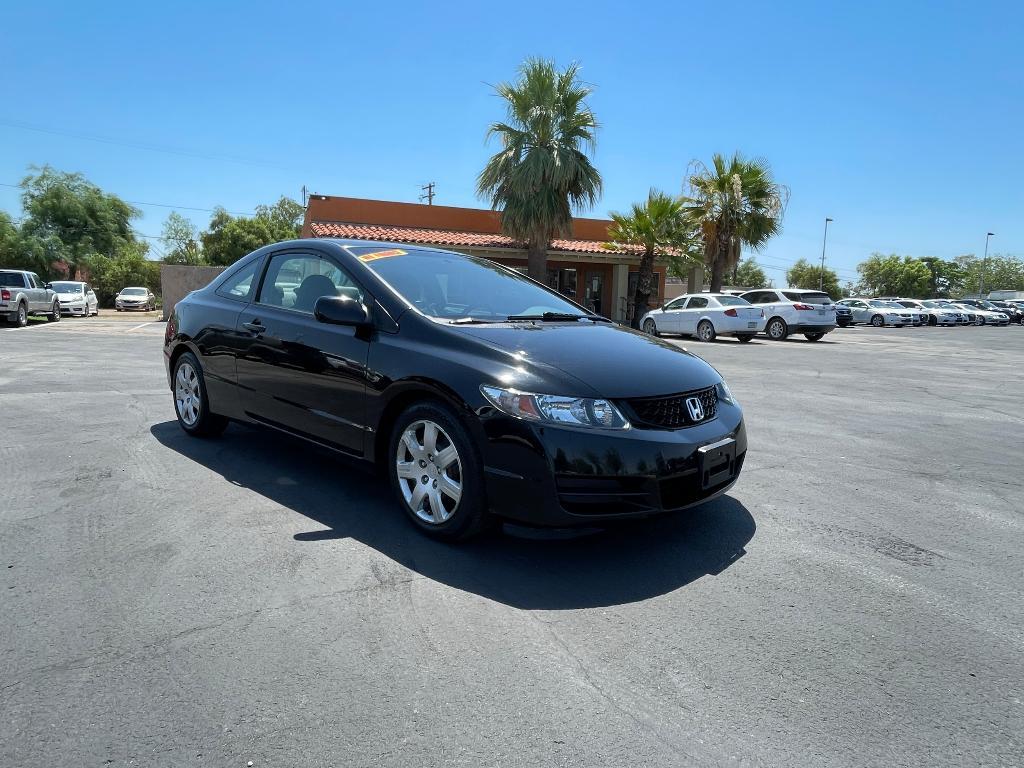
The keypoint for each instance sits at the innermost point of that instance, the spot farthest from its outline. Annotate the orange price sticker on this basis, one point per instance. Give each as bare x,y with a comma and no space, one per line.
382,254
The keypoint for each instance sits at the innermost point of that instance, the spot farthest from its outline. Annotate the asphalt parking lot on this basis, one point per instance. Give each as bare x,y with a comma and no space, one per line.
855,600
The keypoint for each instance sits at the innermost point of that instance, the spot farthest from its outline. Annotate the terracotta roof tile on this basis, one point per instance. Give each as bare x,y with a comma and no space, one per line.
443,237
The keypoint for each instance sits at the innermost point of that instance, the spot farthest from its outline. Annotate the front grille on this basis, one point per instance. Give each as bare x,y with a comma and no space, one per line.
671,411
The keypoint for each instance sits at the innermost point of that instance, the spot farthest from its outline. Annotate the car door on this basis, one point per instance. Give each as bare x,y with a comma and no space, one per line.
294,372
37,298
670,318
695,308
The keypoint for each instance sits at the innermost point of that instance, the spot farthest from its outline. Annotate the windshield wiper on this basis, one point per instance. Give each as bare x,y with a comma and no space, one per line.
471,321
553,317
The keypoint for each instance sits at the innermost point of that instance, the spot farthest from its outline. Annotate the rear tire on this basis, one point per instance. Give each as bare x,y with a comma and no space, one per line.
777,329
706,331
21,319
744,337
191,401
413,450
814,336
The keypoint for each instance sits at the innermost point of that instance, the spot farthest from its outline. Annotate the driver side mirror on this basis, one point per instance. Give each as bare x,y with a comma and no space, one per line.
664,307
341,310
48,286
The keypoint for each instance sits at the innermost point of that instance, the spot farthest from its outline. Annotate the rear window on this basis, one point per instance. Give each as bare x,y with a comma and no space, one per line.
732,301
12,279
808,298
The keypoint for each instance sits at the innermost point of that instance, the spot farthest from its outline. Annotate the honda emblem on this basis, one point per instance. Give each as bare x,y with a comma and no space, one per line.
693,405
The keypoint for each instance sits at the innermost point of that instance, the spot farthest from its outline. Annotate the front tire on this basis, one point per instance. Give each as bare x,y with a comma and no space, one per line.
54,316
777,329
878,321
706,331
436,473
650,327
191,401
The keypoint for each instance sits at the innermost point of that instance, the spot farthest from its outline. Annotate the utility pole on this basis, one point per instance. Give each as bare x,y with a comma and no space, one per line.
821,275
428,193
984,267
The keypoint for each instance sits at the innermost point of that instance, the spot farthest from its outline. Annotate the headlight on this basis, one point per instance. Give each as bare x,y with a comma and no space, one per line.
724,393
555,409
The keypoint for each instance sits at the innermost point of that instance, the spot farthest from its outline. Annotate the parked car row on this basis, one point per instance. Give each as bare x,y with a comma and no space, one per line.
23,294
899,312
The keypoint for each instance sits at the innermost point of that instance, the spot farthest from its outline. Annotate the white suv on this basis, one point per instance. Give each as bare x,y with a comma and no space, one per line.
794,310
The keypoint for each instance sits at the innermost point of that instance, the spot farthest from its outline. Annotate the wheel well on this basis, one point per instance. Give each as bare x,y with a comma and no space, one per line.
779,318
399,403
180,350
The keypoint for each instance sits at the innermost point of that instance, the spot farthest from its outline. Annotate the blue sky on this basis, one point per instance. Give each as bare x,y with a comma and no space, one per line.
901,121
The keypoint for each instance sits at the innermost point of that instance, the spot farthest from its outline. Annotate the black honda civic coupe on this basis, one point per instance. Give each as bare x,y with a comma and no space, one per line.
482,393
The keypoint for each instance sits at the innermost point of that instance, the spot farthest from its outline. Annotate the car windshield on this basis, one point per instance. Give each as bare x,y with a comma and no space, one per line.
808,298
451,286
732,301
62,287
133,292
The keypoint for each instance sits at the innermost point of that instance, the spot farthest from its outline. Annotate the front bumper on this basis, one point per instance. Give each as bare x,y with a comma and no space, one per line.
563,477
74,309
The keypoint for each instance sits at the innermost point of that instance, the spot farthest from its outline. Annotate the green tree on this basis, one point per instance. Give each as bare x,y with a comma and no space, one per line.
946,277
181,241
109,274
1001,273
892,275
543,170
72,219
229,238
656,228
806,275
748,273
734,202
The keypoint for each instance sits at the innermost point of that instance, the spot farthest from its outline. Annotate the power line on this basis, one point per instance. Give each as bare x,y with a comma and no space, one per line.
139,145
163,205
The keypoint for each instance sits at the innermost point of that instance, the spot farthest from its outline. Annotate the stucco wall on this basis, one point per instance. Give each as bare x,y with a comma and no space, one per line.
177,281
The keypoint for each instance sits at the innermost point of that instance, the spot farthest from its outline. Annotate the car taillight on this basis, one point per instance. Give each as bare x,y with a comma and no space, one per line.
731,312
5,295
802,306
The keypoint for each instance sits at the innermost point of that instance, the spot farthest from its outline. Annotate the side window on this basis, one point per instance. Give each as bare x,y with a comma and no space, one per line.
296,280
33,280
676,303
239,285
697,302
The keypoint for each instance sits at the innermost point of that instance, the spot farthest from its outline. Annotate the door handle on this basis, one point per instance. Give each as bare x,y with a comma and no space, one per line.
256,327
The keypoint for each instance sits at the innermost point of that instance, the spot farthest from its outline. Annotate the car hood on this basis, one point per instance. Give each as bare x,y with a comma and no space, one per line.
612,361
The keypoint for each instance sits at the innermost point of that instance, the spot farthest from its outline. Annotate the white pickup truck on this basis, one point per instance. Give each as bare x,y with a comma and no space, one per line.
22,294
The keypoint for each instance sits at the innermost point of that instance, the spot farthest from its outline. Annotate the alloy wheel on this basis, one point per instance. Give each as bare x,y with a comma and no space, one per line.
429,471
705,331
187,397
649,327
775,329
22,315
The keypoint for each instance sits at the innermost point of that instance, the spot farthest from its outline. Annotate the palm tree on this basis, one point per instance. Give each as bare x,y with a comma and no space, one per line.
733,203
658,228
543,170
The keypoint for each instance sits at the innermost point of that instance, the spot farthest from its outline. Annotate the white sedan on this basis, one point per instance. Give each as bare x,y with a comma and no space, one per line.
705,316
76,298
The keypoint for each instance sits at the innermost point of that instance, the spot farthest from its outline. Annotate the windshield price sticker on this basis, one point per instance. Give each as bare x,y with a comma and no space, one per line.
382,254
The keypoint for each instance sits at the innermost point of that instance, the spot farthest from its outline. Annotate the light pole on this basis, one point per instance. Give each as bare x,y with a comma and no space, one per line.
984,267
821,275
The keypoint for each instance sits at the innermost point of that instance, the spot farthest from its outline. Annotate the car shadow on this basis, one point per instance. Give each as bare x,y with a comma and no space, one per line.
345,499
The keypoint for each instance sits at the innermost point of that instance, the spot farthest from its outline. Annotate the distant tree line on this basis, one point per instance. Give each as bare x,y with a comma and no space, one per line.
72,229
